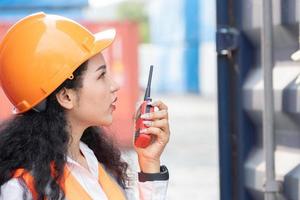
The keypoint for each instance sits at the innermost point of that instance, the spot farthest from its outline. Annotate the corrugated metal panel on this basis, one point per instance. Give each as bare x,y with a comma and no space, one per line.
240,87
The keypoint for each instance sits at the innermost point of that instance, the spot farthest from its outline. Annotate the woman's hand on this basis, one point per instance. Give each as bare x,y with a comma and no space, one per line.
158,128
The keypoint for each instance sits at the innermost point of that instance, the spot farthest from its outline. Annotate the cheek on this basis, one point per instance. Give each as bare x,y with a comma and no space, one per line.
94,106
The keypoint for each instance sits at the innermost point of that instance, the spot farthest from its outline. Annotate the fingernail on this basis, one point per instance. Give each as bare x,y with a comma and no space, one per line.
145,116
147,123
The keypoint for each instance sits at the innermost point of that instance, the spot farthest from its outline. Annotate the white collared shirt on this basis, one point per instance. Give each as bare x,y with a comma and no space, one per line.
88,179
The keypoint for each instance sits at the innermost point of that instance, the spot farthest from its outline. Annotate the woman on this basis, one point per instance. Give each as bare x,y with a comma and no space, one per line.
53,72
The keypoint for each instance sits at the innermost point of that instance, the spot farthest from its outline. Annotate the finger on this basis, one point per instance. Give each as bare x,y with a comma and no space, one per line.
163,123
161,135
160,105
161,114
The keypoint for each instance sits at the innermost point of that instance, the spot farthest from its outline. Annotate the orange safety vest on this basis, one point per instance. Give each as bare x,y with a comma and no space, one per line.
72,188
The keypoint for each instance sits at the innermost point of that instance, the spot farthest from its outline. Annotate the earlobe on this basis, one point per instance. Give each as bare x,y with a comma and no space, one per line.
65,98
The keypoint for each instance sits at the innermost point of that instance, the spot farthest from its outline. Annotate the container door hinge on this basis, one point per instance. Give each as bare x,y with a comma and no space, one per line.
227,40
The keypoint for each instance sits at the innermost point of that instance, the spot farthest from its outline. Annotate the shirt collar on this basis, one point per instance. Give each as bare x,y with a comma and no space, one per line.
90,158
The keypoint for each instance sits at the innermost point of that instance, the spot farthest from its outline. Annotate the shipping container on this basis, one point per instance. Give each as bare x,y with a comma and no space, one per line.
240,99
175,37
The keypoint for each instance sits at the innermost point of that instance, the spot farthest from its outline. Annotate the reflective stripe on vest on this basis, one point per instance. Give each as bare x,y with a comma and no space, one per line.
72,188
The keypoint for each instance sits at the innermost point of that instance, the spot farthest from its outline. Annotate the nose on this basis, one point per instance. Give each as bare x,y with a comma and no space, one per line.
114,86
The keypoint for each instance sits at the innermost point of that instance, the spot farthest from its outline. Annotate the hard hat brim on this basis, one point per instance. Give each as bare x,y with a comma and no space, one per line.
103,40
296,56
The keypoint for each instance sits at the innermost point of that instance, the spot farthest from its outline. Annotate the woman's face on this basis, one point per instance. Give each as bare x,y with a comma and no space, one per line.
97,97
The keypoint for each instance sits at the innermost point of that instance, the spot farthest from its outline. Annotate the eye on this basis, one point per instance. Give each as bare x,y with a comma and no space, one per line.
102,75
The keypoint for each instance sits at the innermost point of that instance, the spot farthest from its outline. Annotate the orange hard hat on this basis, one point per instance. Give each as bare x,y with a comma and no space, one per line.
40,52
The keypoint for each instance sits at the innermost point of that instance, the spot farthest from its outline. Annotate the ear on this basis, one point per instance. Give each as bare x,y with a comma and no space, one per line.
66,98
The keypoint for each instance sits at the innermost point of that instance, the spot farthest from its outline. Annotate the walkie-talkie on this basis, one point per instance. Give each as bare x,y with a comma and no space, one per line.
143,140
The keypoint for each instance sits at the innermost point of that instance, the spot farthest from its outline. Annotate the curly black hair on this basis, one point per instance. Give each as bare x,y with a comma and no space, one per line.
33,140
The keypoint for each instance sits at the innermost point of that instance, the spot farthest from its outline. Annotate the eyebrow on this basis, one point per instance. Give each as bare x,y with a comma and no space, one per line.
101,67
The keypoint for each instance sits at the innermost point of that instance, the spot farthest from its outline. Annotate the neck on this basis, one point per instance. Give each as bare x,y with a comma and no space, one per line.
76,132
74,148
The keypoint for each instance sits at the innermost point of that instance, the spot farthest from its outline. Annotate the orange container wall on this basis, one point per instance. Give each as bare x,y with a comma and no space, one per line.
5,105
122,63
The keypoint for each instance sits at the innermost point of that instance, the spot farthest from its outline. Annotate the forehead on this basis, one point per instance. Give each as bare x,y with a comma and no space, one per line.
94,62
